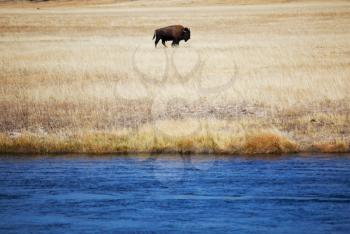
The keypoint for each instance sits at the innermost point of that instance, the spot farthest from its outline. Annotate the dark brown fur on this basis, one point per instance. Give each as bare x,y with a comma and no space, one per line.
174,33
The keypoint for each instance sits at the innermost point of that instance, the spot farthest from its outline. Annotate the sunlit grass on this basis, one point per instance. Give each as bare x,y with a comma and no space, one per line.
210,138
69,80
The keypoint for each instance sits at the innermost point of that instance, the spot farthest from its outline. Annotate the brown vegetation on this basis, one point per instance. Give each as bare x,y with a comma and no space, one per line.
266,78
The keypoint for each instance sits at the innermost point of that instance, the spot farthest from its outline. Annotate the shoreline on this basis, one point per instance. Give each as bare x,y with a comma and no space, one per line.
267,142
199,156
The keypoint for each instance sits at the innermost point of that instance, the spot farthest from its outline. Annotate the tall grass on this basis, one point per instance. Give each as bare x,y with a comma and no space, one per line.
209,139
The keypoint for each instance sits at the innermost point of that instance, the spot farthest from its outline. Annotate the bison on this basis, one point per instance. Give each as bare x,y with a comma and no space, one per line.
174,33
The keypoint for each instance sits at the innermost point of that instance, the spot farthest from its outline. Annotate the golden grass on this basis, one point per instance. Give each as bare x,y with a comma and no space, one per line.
332,147
42,4
68,81
268,143
209,139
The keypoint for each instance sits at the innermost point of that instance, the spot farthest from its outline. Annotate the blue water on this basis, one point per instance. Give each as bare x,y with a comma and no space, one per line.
288,194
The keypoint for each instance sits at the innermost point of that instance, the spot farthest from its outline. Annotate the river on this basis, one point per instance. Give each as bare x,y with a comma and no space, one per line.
172,193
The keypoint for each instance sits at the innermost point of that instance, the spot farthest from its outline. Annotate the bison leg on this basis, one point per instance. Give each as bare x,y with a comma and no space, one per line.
156,42
163,42
175,43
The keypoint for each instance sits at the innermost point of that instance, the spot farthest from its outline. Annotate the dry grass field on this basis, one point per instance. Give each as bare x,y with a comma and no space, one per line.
256,77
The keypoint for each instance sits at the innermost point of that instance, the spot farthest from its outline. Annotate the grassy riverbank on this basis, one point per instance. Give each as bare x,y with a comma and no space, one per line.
263,77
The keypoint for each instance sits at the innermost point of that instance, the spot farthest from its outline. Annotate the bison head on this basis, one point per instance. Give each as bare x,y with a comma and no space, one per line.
186,34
